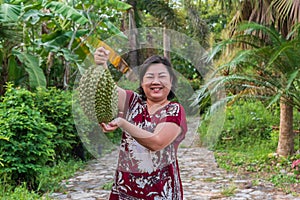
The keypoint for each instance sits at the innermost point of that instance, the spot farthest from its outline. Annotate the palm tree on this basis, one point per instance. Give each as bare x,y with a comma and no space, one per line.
267,68
282,15
198,27
161,11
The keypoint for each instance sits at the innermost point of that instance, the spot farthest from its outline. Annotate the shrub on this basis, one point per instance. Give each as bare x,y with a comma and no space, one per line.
30,137
37,130
51,178
184,92
246,121
56,106
17,193
249,119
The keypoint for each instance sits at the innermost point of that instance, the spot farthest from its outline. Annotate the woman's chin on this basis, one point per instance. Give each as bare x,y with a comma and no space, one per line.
157,97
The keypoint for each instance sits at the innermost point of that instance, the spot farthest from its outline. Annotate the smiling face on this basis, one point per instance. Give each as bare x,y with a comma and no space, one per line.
157,83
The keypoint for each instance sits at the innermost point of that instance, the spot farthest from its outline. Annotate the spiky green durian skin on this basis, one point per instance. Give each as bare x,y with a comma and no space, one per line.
98,94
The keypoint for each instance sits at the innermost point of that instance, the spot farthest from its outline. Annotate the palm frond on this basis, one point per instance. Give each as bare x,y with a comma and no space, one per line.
224,45
10,32
161,10
291,78
252,28
197,26
277,55
294,33
9,12
288,11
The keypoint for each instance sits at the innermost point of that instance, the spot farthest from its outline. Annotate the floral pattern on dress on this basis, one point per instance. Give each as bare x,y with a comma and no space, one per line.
142,173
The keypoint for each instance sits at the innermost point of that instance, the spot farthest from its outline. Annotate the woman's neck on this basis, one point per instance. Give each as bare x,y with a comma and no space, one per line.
154,106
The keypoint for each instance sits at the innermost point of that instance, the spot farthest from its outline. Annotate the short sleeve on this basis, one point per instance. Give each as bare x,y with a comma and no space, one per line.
133,105
132,98
175,113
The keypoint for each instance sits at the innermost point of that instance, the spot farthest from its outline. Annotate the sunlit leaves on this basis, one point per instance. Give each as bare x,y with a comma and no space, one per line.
32,66
9,12
67,12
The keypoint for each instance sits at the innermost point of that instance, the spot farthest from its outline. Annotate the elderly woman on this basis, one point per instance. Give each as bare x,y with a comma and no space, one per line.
153,126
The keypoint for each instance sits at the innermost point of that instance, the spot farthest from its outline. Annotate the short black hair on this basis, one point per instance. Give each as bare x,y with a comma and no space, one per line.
155,59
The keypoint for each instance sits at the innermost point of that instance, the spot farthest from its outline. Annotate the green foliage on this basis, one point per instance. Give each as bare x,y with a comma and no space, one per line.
245,121
9,12
30,144
68,12
258,160
40,131
56,106
18,193
250,157
266,69
287,182
229,191
249,119
248,142
32,67
185,68
184,92
161,11
54,43
115,136
48,181
108,185
126,84
51,177
2,138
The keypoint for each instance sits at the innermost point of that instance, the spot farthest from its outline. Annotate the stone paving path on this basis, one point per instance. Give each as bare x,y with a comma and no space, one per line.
201,178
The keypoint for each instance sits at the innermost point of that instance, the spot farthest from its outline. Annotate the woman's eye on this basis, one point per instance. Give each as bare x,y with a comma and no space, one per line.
148,77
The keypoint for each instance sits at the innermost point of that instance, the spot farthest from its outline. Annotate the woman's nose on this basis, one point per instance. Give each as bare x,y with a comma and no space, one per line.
155,79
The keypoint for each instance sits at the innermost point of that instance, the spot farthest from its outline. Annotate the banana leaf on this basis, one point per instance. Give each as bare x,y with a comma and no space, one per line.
32,67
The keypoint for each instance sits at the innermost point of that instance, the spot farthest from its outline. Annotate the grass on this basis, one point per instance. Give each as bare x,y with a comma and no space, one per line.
49,181
248,141
257,159
229,191
108,185
209,180
20,192
51,178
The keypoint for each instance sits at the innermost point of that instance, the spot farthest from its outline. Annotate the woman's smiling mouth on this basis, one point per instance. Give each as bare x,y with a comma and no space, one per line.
156,89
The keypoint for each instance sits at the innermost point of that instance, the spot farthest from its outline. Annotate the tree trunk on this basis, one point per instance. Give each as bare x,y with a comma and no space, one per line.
133,54
4,75
167,41
286,134
167,44
66,75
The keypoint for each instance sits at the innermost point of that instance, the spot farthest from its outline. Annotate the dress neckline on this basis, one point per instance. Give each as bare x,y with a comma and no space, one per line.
158,109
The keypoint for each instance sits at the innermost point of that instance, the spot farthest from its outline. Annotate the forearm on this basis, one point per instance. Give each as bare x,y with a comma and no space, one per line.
145,138
164,134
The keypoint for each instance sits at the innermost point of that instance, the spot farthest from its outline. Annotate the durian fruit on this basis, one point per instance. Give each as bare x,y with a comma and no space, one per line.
98,94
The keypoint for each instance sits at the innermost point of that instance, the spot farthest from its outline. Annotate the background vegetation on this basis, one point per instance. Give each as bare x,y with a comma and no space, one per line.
44,45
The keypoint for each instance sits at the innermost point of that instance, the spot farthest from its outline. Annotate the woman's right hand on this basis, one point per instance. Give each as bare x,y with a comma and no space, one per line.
101,56
106,128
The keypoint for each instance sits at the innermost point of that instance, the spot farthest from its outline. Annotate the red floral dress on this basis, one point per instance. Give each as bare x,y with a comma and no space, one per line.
142,173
